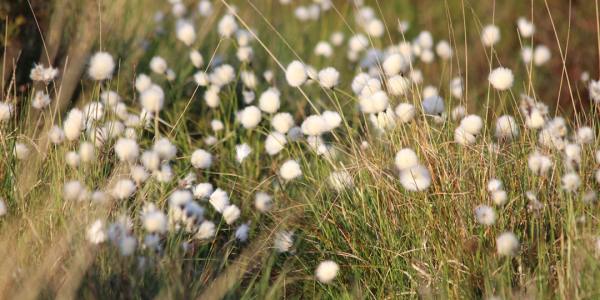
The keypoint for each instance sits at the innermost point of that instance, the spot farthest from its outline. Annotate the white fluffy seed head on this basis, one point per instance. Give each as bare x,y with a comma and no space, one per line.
329,77
314,125
73,124
227,26
282,122
507,244
295,74
101,66
274,143
506,128
485,215
142,82
241,152
472,124
6,111
433,105
196,58
374,103
152,99
269,101
462,137
206,230
571,182
405,112
203,190
87,152
230,214
405,159
158,65
290,170
526,28
490,35
541,55
499,197
416,178
263,202
123,189
250,117
219,200
444,50
393,64
327,271
340,180
398,85
127,150
201,159
501,78
185,32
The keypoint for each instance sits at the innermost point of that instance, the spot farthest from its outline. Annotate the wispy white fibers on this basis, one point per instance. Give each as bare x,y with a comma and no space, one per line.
263,202
241,152
165,149
206,230
507,244
269,100
3,209
340,180
201,159
416,178
398,85
274,143
433,105
227,26
185,32
283,241
282,122
196,58
314,125
539,164
405,159
490,35
250,117
101,66
123,189
329,77
374,103
152,98
485,215
405,112
6,111
290,170
142,82
526,28
501,78
295,74
506,128
73,124
127,150
219,199
231,213
327,271
158,65
202,190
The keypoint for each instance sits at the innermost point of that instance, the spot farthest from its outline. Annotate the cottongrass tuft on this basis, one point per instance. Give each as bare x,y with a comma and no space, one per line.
485,215
327,271
507,244
416,178
290,170
101,66
501,78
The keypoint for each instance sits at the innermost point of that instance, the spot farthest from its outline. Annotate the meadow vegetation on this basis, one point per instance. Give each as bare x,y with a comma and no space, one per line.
335,149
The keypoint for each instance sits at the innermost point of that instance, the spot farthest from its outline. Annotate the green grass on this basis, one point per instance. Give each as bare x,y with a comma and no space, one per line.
389,243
